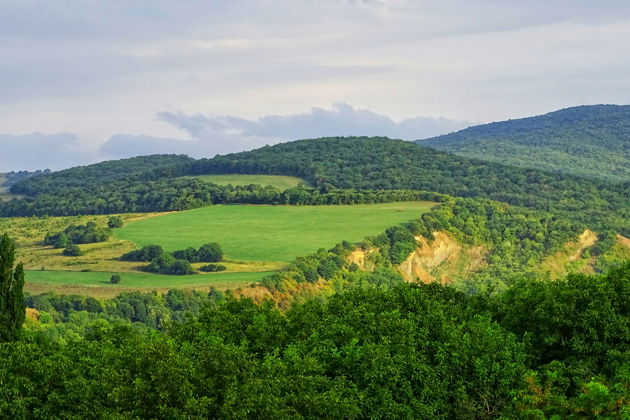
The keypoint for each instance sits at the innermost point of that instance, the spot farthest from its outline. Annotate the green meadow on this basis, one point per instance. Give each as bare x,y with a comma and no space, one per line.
281,182
269,233
138,280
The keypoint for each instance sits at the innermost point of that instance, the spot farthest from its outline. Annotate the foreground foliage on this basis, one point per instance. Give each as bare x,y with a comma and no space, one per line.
380,351
11,284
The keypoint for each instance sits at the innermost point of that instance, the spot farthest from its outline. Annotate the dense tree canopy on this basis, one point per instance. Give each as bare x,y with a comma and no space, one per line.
586,140
375,349
77,234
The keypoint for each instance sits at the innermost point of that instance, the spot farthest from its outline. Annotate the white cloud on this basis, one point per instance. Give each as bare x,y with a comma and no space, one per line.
224,134
211,135
104,67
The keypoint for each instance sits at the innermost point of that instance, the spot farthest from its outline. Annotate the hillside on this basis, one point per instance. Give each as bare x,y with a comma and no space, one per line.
592,141
104,173
380,163
341,170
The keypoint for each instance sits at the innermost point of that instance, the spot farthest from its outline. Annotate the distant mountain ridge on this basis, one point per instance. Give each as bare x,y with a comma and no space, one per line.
590,140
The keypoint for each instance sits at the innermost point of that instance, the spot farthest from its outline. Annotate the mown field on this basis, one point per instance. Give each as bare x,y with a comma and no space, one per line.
279,181
97,284
269,233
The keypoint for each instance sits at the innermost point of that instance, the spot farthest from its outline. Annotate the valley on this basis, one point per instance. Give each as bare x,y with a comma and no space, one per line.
336,210
322,256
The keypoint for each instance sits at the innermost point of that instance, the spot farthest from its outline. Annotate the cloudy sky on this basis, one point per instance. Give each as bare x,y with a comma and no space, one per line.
87,80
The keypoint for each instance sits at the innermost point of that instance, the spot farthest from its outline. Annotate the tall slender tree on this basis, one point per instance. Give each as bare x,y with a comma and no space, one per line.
12,311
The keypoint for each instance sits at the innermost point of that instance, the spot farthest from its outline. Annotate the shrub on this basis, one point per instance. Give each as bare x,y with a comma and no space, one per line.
146,254
115,222
210,252
167,264
189,254
72,250
213,268
115,279
82,234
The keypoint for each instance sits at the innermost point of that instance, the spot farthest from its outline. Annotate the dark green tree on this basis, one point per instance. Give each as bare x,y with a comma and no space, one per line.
72,250
115,222
115,279
210,252
12,310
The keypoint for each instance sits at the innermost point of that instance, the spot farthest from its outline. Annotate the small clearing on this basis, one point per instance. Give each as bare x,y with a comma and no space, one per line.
280,182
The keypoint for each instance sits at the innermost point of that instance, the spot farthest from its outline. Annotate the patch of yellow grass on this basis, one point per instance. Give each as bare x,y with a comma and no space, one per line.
108,292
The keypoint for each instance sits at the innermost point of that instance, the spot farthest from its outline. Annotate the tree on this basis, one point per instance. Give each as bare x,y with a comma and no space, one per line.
72,250
213,268
115,279
115,222
12,311
210,252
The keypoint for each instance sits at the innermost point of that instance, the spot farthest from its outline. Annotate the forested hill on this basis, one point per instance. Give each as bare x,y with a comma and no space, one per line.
381,163
591,141
85,177
353,163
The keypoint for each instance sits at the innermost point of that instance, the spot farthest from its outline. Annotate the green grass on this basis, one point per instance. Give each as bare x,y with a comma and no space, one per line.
138,280
269,233
279,181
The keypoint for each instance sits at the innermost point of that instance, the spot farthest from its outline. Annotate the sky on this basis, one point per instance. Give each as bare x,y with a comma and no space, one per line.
86,80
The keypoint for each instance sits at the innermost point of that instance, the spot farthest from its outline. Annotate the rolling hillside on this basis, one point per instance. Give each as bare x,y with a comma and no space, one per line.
380,163
591,141
341,170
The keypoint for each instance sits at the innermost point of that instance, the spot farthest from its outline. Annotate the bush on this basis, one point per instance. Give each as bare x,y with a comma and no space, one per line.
115,222
115,279
189,254
146,254
72,250
180,268
167,264
213,268
82,234
210,252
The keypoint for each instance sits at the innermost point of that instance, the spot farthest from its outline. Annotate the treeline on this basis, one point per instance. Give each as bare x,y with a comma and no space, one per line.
10,178
177,262
185,194
77,234
152,310
104,173
379,349
210,252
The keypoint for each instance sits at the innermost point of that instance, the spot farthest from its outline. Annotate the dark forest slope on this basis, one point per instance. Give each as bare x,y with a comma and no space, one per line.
589,141
141,167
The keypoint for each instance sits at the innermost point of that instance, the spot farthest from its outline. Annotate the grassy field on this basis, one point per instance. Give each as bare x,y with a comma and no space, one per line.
269,233
97,283
29,232
135,280
279,181
257,240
